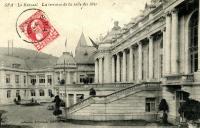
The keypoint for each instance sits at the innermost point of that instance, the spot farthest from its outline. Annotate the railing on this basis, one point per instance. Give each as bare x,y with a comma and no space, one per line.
114,96
99,85
81,104
179,78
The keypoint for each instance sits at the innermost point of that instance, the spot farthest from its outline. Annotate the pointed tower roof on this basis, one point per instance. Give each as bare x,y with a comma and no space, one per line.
82,41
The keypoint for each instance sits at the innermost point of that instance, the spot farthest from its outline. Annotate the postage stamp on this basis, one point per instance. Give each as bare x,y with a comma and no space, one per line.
38,30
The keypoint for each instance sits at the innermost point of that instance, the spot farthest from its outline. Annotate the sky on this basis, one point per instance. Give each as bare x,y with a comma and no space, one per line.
69,21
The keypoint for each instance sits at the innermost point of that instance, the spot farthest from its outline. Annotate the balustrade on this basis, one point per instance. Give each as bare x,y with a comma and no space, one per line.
114,96
179,78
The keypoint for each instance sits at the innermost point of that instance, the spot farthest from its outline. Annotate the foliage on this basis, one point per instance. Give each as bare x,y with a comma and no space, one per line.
57,110
163,106
190,110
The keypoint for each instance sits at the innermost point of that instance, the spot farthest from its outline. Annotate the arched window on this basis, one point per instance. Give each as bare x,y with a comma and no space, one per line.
41,92
50,92
193,46
32,92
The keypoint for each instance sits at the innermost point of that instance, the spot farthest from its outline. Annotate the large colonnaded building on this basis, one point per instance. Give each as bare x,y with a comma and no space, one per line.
154,56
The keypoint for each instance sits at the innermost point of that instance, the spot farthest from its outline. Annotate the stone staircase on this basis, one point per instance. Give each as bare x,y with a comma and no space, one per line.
125,104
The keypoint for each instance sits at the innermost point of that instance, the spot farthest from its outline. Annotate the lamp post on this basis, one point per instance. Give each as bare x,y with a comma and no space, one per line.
65,91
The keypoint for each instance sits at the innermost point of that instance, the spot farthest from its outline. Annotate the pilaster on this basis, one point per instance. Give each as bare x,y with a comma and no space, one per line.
113,69
174,44
118,67
139,61
100,70
124,66
96,71
167,49
151,57
131,64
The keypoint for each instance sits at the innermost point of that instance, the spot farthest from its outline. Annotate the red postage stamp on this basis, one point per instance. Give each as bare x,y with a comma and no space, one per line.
38,30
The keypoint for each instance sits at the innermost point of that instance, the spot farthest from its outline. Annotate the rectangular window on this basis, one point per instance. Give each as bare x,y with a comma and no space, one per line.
7,78
91,78
150,104
8,93
49,79
33,80
42,79
17,79
82,78
24,79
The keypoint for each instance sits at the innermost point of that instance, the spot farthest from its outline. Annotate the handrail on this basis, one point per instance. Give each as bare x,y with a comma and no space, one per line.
91,99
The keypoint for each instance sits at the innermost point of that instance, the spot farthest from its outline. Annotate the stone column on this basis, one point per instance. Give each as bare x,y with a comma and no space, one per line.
75,98
124,67
151,57
113,69
107,75
174,44
118,67
167,49
60,75
75,77
96,71
164,48
67,100
100,70
131,65
139,61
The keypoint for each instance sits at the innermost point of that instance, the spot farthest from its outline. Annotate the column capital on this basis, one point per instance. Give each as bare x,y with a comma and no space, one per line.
163,29
130,48
168,13
150,37
174,11
139,43
124,51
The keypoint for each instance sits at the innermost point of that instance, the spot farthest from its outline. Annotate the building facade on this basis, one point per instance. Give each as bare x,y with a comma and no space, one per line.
39,76
160,45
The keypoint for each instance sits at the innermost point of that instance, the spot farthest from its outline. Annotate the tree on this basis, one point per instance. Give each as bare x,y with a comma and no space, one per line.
190,110
57,110
1,113
163,106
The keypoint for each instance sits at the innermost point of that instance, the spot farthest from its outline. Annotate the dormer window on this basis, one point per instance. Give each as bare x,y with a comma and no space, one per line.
16,65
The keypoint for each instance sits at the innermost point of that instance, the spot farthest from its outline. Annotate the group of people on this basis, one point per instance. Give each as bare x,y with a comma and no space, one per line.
57,111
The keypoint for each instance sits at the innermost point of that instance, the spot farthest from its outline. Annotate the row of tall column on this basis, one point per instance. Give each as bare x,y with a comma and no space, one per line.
171,43
122,70
122,74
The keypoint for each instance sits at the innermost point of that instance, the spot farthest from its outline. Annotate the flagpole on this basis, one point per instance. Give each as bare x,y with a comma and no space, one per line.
65,91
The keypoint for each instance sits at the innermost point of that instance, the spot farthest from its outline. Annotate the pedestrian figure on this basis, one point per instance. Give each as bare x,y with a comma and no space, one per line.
92,92
18,98
57,110
81,98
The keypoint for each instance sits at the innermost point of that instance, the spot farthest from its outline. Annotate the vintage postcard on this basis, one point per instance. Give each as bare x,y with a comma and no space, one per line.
99,64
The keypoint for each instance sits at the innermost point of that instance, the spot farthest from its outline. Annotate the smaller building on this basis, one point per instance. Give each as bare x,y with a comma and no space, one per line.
39,76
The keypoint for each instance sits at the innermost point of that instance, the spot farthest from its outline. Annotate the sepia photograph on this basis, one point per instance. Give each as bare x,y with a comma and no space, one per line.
99,64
